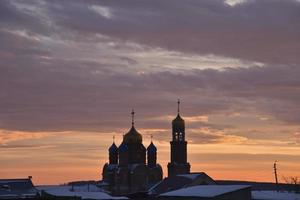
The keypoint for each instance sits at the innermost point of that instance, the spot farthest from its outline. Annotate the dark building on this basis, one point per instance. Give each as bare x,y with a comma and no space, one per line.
178,164
18,189
180,181
128,171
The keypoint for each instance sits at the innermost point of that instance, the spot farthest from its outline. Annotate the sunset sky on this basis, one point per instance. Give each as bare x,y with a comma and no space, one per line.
72,70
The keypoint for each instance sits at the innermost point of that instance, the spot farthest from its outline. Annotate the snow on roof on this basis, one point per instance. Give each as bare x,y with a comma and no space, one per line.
205,190
3,181
84,194
150,190
189,176
274,195
17,188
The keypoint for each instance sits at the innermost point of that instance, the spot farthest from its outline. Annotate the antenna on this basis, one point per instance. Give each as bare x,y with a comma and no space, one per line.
275,173
151,137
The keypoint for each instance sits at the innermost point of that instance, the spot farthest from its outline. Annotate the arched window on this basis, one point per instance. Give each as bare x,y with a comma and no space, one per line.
180,136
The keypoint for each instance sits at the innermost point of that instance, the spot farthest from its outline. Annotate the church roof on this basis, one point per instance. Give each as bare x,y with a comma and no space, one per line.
178,119
123,147
133,136
113,148
151,148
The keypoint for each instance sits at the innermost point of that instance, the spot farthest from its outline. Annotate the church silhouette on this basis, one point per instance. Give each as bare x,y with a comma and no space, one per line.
128,170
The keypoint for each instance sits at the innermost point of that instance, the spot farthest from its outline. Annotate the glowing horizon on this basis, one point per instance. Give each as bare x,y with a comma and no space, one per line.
62,157
72,70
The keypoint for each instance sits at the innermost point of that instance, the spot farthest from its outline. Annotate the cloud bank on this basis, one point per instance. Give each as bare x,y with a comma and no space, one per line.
82,65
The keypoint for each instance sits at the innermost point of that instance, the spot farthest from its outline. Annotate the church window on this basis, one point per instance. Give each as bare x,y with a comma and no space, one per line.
180,136
176,136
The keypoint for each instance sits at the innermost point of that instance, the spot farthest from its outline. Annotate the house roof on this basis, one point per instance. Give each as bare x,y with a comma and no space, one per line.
204,190
191,176
16,188
176,182
274,195
79,191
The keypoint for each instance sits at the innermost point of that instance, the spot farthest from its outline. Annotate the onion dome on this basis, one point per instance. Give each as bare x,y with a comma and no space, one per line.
132,136
151,149
123,147
178,120
113,148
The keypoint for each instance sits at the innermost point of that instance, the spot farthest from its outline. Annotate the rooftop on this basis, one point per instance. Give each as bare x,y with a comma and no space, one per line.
204,190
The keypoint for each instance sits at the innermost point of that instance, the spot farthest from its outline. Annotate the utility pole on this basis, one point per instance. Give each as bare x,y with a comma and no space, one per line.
275,173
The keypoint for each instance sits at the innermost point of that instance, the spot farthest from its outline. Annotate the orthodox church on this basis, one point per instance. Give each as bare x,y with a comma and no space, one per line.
128,170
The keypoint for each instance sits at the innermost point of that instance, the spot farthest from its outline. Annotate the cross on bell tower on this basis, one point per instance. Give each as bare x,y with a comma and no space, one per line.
132,117
178,106
178,163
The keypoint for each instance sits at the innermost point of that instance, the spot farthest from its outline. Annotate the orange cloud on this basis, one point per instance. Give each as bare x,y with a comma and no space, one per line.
191,119
210,135
10,136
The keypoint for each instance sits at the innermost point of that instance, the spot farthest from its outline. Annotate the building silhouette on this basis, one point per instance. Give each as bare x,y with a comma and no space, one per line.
128,170
132,168
178,163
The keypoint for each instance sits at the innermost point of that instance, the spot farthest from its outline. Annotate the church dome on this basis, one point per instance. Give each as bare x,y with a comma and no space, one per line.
178,120
123,147
151,148
132,136
113,148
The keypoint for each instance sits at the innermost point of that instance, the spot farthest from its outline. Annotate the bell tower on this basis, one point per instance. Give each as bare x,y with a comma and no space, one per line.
178,164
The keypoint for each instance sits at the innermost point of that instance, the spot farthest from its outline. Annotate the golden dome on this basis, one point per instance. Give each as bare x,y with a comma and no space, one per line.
132,136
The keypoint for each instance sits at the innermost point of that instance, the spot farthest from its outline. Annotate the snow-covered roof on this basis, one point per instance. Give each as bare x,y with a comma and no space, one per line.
274,195
20,180
190,176
17,188
204,190
78,191
181,181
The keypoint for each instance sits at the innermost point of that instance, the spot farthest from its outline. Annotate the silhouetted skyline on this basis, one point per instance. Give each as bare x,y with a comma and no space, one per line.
72,70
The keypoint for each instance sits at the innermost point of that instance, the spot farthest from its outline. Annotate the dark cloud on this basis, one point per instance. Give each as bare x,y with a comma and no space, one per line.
73,97
258,30
47,85
264,31
22,18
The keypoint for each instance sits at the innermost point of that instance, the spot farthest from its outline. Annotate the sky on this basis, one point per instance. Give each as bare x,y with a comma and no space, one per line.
72,70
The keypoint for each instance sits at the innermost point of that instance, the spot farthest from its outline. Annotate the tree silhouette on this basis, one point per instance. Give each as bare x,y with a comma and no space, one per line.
293,180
